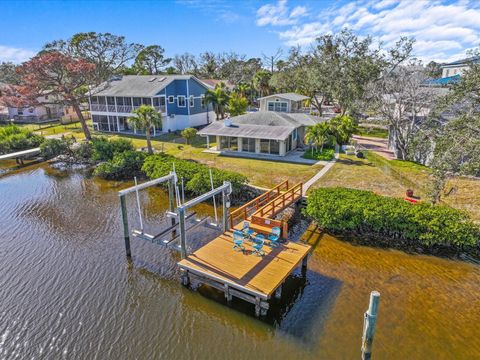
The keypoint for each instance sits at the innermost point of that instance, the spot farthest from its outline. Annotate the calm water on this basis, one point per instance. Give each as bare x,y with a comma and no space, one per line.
67,291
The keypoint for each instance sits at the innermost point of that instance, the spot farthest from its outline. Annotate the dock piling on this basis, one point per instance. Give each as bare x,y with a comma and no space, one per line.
304,266
126,232
278,292
370,321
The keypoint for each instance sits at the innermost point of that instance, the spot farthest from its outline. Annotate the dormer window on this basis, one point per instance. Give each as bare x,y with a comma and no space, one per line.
171,99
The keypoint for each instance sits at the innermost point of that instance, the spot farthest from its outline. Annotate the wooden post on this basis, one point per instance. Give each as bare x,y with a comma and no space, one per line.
183,235
278,292
126,232
304,266
228,296
185,278
257,307
370,321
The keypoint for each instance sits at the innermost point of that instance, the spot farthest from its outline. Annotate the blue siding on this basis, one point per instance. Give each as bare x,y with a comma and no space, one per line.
179,87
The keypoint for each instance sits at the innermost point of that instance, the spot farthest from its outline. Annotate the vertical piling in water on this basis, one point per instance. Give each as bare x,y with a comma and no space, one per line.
369,323
226,205
183,235
171,198
126,233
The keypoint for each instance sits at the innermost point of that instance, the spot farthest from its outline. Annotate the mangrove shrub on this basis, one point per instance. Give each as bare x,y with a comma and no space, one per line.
395,222
104,149
124,165
196,176
14,138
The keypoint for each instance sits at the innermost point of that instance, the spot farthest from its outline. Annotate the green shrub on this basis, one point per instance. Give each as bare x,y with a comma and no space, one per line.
54,147
188,134
196,176
104,149
14,138
396,222
325,154
124,165
83,151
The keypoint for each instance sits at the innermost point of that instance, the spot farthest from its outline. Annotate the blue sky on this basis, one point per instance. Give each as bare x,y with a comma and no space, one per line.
444,29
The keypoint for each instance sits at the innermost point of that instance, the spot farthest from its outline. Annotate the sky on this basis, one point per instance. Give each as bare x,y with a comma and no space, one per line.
444,29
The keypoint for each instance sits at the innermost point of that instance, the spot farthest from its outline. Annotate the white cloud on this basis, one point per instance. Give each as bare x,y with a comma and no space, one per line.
15,55
279,14
443,29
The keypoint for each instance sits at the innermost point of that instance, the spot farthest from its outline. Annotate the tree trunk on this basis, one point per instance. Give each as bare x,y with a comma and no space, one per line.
85,128
149,143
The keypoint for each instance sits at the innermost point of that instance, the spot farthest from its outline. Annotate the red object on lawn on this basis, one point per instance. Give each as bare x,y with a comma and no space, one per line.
409,199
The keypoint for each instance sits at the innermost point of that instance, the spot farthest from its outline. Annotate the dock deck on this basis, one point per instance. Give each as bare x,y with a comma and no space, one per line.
242,274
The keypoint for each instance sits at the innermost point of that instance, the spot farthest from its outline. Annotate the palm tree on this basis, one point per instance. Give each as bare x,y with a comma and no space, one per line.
261,82
218,97
318,134
145,118
242,89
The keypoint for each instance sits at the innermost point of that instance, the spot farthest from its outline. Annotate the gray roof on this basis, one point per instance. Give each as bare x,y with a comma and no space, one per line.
261,125
136,85
287,96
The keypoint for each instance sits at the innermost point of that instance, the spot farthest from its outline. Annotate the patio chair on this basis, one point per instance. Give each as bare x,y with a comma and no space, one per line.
274,237
247,232
238,241
258,245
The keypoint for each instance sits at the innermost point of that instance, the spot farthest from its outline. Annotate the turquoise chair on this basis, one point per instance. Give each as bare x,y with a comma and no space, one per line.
274,237
238,241
247,232
258,245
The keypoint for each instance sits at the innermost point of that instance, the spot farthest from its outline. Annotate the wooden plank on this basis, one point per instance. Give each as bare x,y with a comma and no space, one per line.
258,276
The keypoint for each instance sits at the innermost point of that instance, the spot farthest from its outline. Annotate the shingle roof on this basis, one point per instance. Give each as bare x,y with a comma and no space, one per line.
136,85
261,125
288,96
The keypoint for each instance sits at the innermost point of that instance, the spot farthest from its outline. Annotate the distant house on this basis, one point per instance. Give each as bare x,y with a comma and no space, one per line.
458,67
263,132
179,98
214,82
286,102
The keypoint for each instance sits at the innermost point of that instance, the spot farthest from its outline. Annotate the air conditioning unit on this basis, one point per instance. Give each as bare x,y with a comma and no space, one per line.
172,116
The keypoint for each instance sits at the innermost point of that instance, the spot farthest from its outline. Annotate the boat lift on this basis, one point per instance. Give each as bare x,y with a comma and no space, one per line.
178,213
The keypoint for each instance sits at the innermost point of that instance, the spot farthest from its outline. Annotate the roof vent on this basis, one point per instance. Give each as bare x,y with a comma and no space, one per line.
227,122
152,79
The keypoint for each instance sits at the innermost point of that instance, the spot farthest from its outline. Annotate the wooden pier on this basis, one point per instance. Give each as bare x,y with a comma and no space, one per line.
241,273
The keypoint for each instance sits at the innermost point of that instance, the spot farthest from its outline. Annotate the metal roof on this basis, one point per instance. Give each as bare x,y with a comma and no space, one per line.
261,125
137,85
474,59
287,96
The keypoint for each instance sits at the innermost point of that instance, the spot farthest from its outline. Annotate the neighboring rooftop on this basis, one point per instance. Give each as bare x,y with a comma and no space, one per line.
260,125
287,96
214,82
137,85
449,80
473,59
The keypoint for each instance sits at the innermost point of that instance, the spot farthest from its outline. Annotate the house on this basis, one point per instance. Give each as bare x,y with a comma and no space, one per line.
458,67
286,102
179,98
212,83
262,132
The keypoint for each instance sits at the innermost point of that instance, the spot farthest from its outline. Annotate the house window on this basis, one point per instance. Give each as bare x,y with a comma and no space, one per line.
191,101
279,106
171,99
274,147
229,143
20,111
264,146
248,145
181,101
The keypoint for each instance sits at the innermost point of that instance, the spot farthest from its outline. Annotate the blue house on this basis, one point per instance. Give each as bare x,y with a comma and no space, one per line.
179,98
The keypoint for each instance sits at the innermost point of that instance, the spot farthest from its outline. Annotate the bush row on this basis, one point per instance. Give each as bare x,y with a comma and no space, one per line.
14,138
196,176
394,222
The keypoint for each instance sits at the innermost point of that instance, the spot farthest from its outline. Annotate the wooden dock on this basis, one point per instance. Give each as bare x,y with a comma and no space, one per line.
242,274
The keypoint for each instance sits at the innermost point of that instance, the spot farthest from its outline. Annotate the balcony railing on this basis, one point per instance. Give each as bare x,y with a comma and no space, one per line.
98,107
122,108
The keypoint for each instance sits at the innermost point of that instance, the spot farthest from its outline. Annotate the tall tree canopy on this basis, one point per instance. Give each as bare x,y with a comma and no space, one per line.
151,61
57,79
8,73
219,98
145,118
110,53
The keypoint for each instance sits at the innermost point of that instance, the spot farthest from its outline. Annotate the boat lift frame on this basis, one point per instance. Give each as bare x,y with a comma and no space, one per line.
172,182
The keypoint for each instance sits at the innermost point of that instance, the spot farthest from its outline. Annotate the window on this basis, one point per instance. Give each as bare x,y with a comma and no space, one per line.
264,146
274,147
181,101
248,145
229,143
280,106
137,101
170,99
191,101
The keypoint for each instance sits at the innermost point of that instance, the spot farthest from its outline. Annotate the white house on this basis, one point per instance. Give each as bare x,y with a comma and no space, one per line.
286,102
458,67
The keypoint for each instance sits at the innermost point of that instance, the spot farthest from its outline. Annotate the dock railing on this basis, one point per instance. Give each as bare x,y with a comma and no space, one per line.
247,209
280,202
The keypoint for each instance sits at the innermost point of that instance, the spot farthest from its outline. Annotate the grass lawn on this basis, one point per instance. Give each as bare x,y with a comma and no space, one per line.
325,154
372,132
393,177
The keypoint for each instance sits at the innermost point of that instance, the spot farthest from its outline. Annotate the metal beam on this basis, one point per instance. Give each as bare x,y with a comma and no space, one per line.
147,184
226,186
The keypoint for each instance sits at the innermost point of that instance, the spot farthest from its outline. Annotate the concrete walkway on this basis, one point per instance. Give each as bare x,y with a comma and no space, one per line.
322,172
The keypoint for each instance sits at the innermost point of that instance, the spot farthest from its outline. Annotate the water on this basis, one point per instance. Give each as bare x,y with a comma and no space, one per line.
68,292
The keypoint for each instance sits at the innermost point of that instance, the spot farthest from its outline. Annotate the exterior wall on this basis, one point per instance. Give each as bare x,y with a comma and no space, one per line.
264,103
454,70
281,147
35,114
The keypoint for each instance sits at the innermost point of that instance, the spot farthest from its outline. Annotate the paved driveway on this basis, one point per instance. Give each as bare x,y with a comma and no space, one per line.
377,145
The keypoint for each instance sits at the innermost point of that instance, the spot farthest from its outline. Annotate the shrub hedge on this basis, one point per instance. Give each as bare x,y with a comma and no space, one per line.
395,222
14,138
124,165
196,176
54,147
104,149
